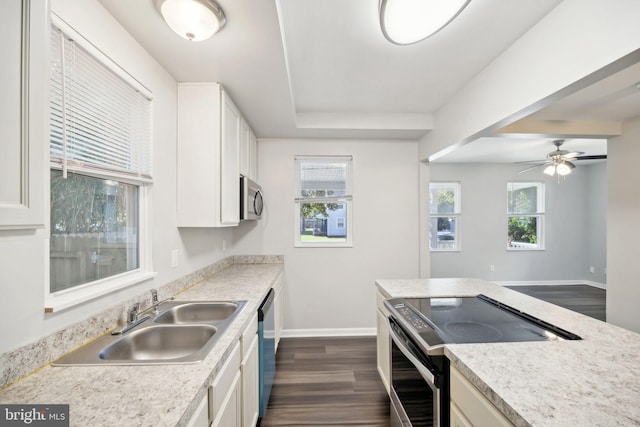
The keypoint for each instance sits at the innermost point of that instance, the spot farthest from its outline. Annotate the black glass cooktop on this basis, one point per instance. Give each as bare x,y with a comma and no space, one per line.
479,319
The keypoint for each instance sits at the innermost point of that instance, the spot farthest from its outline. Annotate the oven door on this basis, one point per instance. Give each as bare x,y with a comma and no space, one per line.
419,393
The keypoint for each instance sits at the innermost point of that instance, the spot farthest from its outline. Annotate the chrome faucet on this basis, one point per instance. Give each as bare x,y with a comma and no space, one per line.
155,303
134,313
133,319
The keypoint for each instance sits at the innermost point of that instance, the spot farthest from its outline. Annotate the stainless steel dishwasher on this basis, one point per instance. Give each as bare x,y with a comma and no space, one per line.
266,350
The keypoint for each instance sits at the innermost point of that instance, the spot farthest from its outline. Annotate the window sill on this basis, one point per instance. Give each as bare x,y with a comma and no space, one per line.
524,249
323,245
66,299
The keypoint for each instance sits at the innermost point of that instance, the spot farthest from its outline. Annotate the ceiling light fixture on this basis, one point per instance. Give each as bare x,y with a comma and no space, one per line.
406,22
194,20
561,168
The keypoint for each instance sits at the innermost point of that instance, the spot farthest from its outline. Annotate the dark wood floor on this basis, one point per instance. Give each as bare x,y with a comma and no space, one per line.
334,381
584,299
327,382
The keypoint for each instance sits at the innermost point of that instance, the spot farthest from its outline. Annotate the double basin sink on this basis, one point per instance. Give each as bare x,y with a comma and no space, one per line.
182,332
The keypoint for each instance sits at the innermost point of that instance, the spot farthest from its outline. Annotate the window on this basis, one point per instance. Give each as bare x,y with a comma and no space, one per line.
100,152
323,201
525,220
444,216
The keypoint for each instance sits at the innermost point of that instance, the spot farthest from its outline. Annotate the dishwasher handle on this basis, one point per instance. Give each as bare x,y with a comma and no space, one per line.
405,345
266,304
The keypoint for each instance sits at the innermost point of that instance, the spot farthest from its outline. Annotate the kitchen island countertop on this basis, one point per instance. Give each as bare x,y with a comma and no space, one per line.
144,395
592,382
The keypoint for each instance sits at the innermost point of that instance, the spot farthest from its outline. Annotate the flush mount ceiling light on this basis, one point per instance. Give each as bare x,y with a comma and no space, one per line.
406,22
194,20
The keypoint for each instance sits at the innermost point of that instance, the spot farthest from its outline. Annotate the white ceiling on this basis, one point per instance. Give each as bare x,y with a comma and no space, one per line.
322,69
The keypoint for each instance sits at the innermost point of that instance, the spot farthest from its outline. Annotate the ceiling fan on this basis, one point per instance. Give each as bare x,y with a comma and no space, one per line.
560,161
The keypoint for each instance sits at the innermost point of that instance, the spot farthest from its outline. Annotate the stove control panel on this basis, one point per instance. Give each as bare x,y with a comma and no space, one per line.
412,317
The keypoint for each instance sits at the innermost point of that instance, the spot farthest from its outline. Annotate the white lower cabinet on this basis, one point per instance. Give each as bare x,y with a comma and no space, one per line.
232,400
383,342
201,417
249,370
469,407
226,397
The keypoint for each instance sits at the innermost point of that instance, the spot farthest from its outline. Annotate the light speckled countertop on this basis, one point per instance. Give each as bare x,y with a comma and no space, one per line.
162,395
593,382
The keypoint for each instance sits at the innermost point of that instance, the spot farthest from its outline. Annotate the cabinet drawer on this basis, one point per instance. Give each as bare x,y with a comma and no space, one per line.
224,380
475,409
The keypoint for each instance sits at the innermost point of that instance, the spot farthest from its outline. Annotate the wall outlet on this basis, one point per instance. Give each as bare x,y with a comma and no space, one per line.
592,269
492,267
174,258
224,245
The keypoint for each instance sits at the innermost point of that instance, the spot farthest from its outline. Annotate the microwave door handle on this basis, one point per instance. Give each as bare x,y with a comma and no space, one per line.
409,355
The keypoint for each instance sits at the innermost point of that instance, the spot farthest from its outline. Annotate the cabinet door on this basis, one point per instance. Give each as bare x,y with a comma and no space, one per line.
383,349
457,418
229,167
245,132
471,406
201,417
253,156
249,370
229,413
23,112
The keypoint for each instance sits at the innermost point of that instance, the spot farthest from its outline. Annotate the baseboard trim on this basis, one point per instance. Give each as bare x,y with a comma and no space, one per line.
342,332
551,282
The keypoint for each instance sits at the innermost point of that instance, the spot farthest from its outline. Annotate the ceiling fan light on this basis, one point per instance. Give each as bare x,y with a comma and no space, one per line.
194,20
406,22
550,170
564,168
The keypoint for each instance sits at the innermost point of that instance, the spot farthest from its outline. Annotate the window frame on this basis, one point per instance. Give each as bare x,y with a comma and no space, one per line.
347,200
66,298
457,214
539,215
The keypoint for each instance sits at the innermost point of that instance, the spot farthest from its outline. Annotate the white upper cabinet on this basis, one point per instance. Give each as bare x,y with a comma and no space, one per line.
248,151
23,112
208,164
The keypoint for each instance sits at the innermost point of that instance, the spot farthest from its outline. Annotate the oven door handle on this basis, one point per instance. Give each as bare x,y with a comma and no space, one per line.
400,342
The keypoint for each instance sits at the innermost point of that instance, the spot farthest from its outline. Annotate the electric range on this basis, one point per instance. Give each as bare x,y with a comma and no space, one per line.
419,329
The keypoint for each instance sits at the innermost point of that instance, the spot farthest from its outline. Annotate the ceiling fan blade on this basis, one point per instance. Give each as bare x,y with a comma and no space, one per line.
594,157
530,161
573,154
533,167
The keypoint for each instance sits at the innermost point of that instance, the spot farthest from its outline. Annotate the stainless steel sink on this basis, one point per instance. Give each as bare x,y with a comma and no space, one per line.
182,332
167,342
197,312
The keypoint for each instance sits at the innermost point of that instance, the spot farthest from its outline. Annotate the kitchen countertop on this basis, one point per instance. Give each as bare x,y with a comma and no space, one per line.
160,395
592,382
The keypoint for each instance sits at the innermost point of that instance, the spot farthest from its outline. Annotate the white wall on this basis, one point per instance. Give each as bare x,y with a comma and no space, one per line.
483,225
333,288
597,221
623,228
23,255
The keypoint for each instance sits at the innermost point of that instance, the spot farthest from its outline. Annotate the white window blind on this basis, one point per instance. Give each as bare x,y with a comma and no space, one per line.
323,178
99,122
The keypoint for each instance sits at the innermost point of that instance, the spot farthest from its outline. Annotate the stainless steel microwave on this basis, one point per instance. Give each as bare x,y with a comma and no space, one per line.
251,202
